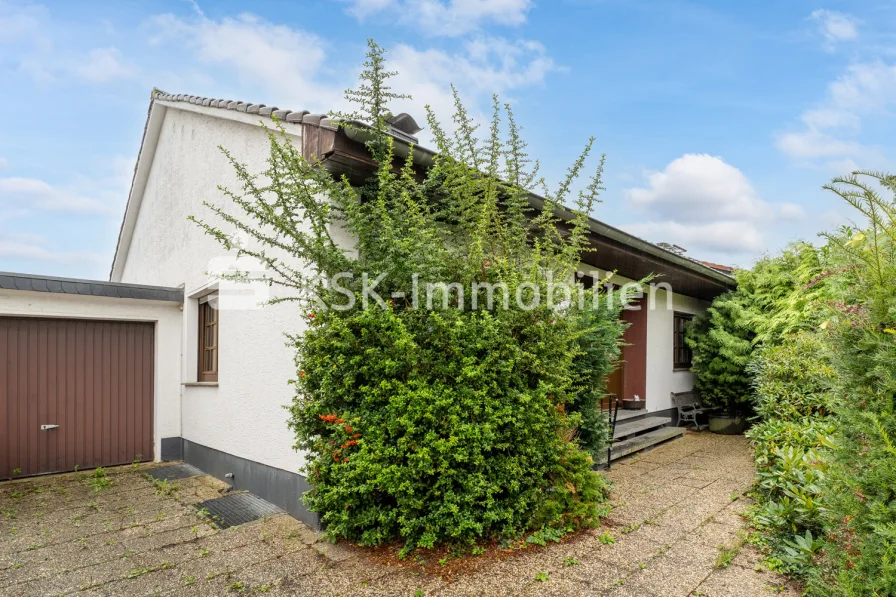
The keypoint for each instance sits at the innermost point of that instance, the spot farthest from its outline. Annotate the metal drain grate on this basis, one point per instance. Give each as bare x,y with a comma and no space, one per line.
238,508
176,471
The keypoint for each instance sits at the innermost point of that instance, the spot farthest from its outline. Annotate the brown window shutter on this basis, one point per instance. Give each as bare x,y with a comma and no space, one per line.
208,341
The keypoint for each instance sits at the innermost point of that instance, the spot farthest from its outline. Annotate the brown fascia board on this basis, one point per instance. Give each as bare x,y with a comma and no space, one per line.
424,157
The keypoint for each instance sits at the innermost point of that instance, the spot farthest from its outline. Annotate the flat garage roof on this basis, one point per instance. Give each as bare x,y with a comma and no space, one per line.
29,282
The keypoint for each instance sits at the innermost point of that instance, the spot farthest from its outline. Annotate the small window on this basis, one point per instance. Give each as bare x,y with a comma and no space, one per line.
208,338
680,351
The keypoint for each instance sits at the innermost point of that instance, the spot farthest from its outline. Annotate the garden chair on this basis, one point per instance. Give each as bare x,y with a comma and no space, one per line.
689,408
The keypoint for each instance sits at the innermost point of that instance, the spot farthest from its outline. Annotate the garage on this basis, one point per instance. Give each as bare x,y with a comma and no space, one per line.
80,372
76,393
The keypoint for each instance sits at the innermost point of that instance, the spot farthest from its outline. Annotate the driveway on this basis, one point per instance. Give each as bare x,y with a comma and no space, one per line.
124,535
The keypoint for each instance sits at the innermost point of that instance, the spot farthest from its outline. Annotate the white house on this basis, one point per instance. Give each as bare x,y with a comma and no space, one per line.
218,378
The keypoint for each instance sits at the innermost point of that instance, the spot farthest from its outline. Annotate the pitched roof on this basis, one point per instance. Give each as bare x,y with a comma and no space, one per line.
725,269
403,125
403,129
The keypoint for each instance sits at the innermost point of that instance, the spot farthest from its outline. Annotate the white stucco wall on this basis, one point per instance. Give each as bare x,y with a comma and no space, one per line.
167,318
662,378
243,414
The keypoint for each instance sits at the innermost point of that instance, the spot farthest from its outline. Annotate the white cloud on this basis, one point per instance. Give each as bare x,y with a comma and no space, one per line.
790,211
727,237
32,247
483,66
25,193
102,65
698,187
286,63
835,26
702,203
290,67
22,23
451,18
831,131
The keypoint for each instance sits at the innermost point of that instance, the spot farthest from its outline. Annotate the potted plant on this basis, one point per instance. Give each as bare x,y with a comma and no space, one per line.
634,403
732,421
721,350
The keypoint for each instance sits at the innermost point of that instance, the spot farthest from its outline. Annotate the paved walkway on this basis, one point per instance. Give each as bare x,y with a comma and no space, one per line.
675,506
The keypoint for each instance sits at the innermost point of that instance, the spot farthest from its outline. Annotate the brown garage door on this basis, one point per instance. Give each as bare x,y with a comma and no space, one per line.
74,393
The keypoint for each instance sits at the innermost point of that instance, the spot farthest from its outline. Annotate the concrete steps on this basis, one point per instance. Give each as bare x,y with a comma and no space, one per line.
631,427
639,430
637,443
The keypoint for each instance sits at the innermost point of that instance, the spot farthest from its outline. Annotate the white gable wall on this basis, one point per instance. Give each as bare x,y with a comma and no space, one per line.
243,414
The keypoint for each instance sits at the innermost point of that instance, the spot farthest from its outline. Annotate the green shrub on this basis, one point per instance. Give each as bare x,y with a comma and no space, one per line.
860,492
779,296
792,387
445,423
599,332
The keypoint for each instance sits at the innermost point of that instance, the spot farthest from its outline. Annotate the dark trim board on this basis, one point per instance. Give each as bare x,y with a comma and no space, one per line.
172,448
34,283
280,487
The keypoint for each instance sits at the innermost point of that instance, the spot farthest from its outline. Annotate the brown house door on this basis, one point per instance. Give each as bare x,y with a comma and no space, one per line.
614,381
74,393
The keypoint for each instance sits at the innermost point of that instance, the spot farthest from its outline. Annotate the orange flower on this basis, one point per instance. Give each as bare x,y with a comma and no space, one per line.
348,428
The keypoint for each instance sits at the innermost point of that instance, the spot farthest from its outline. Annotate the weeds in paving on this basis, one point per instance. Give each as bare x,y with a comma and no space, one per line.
606,539
418,593
164,487
99,480
17,565
190,580
136,463
16,471
137,572
631,528
94,506
542,577
10,514
727,553
570,562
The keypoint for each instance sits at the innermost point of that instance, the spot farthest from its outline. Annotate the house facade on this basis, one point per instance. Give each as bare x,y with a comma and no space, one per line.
222,365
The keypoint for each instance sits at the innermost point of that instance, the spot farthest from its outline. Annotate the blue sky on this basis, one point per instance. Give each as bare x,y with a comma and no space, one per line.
721,120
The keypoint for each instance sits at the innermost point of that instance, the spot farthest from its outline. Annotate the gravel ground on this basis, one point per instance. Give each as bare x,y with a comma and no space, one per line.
675,507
